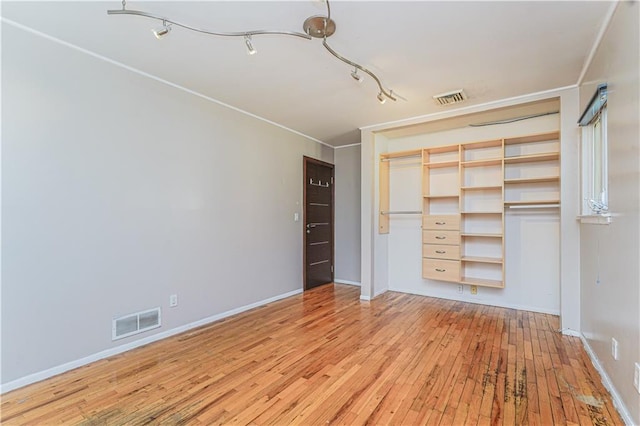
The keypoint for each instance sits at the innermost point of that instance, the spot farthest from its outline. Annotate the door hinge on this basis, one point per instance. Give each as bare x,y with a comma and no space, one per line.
331,180
331,268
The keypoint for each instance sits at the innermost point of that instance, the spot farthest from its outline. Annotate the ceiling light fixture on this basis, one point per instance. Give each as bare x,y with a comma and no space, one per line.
357,77
161,31
314,27
250,49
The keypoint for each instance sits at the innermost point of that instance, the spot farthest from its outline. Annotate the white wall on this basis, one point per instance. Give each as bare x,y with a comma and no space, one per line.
611,253
532,237
347,220
118,191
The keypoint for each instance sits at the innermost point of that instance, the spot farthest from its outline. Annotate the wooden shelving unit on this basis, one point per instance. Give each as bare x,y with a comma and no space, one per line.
492,175
481,204
441,218
532,171
383,170
465,191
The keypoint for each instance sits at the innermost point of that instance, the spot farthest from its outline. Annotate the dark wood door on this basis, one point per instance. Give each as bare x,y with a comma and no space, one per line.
318,220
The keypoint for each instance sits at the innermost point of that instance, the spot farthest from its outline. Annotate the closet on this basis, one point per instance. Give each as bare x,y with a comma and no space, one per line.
466,190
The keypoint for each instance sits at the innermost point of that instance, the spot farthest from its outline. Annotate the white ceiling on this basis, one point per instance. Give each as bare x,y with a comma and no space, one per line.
493,50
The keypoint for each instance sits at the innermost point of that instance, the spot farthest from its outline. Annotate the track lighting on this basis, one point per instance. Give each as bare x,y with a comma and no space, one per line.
250,49
357,77
314,27
161,31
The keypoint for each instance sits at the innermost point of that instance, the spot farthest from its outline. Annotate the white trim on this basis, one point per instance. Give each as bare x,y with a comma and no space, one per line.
347,146
482,302
570,332
153,77
339,281
545,94
596,43
608,384
595,219
376,294
45,374
365,298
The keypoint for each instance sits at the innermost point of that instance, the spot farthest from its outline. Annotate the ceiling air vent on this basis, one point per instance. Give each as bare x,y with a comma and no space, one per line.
449,98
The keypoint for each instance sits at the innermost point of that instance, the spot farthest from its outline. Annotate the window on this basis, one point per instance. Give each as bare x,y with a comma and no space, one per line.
594,154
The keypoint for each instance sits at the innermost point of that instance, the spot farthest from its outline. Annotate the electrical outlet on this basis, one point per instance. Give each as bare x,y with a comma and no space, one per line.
614,348
460,288
474,289
173,300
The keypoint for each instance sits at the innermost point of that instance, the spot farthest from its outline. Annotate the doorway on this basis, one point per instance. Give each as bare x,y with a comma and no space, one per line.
318,219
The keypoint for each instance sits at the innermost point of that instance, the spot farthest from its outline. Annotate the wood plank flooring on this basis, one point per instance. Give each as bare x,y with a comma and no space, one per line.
325,357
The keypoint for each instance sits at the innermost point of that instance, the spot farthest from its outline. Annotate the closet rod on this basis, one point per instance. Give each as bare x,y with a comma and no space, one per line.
401,212
401,156
534,206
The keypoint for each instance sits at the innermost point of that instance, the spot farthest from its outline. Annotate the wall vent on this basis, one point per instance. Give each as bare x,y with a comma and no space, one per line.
131,324
449,98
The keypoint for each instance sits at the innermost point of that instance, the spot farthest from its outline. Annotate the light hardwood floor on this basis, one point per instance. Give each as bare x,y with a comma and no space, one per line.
325,357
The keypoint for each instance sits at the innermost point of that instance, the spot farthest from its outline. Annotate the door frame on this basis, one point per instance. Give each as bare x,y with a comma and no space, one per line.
305,161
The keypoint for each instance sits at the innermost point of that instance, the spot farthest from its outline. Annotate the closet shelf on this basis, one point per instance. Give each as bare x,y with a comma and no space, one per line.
442,196
482,283
526,202
480,235
484,212
481,163
478,259
479,188
439,164
532,180
547,156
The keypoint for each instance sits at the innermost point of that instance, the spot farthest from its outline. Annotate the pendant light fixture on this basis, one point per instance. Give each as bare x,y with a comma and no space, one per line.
314,27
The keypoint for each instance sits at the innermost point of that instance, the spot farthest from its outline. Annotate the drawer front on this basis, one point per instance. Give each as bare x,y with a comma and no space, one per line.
443,270
440,237
441,251
447,222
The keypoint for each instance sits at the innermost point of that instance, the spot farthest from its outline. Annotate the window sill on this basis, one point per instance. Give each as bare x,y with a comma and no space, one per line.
595,219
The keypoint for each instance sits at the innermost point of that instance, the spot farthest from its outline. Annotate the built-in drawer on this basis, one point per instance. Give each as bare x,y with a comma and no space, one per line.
430,236
443,270
437,251
438,221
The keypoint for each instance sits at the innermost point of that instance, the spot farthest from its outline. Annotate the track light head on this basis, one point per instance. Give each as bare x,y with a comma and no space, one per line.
381,98
357,77
161,31
250,49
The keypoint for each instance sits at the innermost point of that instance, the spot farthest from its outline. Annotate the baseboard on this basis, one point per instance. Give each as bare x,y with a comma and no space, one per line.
339,281
54,371
606,381
379,292
570,332
482,302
